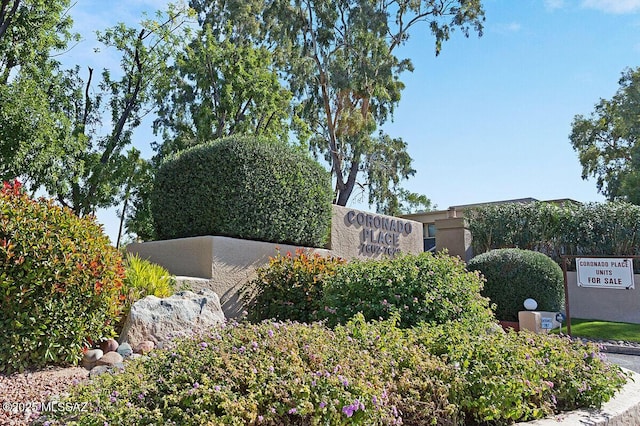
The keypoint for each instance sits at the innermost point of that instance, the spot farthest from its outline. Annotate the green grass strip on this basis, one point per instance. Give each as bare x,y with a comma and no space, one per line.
604,330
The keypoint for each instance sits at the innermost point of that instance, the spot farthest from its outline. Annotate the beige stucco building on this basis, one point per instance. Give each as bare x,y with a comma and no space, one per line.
448,229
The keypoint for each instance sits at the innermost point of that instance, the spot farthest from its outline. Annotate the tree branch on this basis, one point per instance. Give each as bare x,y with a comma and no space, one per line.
131,102
87,101
7,17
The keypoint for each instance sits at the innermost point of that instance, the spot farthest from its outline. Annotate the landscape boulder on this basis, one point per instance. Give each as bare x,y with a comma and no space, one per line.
108,345
110,359
182,314
91,357
144,347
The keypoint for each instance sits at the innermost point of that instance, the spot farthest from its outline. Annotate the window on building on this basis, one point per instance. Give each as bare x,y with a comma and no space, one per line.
429,232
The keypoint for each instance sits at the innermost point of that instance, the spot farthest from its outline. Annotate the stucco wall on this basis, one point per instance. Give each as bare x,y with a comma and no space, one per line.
453,235
604,303
225,264
358,234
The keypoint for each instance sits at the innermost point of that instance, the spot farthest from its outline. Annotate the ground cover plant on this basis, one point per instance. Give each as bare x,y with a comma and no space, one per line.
376,373
514,275
60,282
603,330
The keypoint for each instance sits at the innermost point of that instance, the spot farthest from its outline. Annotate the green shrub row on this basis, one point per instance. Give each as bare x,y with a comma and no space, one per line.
611,228
421,288
514,275
362,373
60,282
246,188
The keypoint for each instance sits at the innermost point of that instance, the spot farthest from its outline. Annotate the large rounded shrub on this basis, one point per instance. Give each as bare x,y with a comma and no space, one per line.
514,275
246,188
421,288
59,282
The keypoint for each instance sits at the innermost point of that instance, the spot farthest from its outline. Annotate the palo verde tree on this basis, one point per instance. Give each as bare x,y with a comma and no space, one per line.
608,141
345,75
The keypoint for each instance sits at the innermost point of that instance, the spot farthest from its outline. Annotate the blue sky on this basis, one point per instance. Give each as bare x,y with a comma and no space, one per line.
489,118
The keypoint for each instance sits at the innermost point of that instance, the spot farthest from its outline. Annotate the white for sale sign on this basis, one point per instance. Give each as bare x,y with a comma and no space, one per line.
605,272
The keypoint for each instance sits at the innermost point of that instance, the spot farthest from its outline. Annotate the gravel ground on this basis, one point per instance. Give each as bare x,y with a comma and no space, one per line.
22,393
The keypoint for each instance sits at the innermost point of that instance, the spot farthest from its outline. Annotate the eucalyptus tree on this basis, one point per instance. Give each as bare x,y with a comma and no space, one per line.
344,71
608,141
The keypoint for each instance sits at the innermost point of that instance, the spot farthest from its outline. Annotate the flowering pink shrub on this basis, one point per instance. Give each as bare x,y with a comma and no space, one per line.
420,288
361,373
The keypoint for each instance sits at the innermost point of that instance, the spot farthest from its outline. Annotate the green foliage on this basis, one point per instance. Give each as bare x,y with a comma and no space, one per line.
358,374
59,130
138,218
341,65
574,229
35,131
59,282
514,275
412,202
509,377
246,188
420,288
143,278
290,287
608,141
103,172
220,88
529,226
347,93
601,229
30,32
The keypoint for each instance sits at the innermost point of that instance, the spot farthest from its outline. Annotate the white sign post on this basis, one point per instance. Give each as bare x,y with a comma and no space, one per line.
605,272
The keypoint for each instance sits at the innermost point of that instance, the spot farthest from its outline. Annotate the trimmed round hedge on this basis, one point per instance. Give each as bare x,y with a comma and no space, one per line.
243,187
514,275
